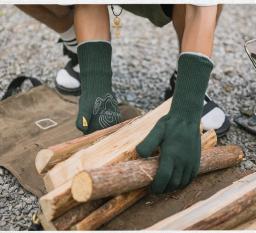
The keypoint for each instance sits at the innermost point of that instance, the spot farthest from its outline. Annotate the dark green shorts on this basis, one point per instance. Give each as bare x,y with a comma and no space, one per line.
158,14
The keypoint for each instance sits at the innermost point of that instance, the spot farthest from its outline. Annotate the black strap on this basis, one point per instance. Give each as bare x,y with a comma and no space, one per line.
70,69
36,227
12,89
69,53
209,107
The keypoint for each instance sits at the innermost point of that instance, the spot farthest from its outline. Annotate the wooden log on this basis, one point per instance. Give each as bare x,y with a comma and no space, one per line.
103,215
73,216
109,210
79,212
128,176
48,158
208,140
60,200
224,210
118,146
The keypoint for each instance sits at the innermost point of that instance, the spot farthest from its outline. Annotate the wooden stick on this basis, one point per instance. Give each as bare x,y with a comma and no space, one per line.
48,158
224,210
118,146
60,200
109,210
128,176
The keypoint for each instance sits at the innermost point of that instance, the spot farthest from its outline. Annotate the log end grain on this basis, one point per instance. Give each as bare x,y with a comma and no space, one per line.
42,160
46,206
82,187
49,186
235,149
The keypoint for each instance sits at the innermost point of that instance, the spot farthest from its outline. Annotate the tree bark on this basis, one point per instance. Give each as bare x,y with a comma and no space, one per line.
48,158
225,210
128,176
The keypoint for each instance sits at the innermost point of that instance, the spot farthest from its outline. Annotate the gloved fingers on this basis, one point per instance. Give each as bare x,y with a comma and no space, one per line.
152,141
163,175
187,172
194,173
176,179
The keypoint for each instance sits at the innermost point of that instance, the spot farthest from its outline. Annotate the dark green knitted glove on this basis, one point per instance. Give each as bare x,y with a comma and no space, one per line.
98,107
177,133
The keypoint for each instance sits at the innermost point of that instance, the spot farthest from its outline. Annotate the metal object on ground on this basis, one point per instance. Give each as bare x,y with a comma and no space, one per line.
246,121
250,48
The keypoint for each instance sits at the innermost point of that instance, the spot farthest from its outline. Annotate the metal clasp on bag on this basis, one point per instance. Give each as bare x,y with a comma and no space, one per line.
46,123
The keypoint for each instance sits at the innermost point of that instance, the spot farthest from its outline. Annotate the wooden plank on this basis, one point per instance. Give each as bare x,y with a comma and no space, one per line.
128,176
48,158
60,200
224,210
119,146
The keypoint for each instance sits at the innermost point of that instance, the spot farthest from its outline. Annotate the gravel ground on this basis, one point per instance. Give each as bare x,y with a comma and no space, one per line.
143,60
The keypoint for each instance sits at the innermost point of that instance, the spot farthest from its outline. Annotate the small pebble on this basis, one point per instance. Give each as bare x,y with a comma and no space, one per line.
2,223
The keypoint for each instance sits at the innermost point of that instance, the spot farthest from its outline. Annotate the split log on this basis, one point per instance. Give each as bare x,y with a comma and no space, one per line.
109,210
208,139
123,177
118,146
60,200
48,158
73,216
225,210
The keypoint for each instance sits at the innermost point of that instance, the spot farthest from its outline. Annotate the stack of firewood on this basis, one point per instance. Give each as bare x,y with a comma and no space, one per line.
92,179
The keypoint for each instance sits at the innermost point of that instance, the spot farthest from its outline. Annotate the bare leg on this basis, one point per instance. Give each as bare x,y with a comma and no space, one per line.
59,22
200,23
92,23
58,10
178,17
60,19
182,15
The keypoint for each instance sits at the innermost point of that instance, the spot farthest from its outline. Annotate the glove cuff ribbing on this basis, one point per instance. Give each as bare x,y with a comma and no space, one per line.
95,65
192,81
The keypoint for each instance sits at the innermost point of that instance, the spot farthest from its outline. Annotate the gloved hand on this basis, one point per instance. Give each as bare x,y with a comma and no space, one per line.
178,134
98,107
